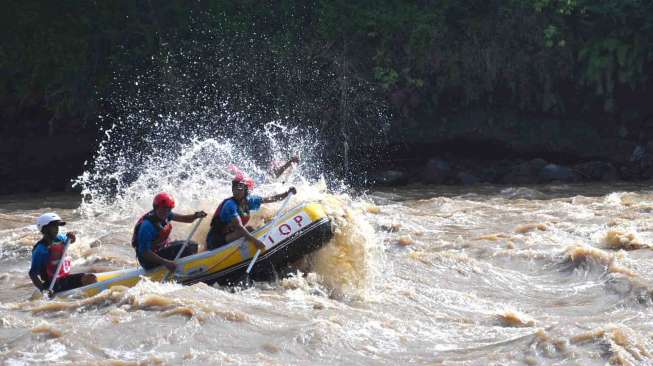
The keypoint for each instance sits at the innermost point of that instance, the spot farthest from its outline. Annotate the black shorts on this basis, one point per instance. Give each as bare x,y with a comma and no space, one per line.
170,252
68,283
215,240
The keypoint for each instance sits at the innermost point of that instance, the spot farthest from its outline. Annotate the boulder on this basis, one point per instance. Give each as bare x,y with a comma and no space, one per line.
557,173
436,171
597,171
467,178
524,173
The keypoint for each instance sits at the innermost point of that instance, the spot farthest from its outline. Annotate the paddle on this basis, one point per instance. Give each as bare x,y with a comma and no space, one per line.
181,250
274,222
56,273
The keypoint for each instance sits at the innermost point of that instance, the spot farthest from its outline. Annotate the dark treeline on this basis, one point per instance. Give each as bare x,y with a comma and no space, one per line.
538,77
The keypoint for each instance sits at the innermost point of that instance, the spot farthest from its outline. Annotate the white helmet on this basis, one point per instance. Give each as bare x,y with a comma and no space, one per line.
47,218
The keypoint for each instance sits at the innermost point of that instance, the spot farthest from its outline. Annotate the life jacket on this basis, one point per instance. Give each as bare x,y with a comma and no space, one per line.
55,251
223,227
163,227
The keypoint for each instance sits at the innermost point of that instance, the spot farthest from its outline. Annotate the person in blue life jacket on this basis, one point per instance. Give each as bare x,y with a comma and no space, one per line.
151,234
230,219
48,252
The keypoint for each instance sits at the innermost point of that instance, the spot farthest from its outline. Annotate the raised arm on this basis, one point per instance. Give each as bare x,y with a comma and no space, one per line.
278,171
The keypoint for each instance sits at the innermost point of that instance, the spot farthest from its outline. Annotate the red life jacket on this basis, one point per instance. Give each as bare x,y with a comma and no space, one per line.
56,251
164,231
223,227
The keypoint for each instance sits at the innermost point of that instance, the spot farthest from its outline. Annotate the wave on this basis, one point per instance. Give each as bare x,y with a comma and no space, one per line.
622,344
594,260
619,240
522,192
512,318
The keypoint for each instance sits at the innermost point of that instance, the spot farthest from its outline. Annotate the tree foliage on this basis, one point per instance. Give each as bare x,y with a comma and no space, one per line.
427,57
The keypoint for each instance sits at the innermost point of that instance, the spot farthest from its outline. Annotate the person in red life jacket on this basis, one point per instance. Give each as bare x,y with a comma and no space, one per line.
152,231
230,219
47,253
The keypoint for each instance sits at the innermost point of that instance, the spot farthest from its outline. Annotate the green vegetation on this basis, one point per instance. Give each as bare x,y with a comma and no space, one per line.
428,58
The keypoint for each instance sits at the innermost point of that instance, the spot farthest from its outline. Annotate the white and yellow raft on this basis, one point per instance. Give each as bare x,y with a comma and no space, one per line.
299,231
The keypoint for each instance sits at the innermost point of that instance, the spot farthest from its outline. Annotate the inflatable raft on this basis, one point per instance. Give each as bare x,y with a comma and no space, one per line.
299,231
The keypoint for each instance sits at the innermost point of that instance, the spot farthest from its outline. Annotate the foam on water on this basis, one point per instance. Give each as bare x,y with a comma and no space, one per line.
498,276
494,281
195,170
353,259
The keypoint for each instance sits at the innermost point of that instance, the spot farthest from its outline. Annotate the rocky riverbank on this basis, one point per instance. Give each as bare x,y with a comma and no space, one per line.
41,163
467,150
485,146
452,171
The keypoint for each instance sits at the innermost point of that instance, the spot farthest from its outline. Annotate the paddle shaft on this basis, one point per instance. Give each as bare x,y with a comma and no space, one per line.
61,260
192,232
181,250
277,218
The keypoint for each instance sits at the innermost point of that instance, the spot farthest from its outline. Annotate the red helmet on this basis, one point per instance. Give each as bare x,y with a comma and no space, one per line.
245,180
164,199
241,177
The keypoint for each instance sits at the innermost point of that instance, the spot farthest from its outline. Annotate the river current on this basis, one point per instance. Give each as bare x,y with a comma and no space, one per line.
486,275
